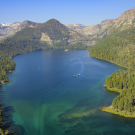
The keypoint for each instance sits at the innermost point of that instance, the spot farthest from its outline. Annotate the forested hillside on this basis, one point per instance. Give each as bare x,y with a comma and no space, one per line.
119,47
47,36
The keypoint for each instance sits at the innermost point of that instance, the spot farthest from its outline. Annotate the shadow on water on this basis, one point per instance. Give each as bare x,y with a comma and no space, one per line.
126,120
111,93
7,116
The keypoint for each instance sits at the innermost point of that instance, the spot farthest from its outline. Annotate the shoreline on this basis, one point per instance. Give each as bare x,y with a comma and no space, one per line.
110,109
109,61
5,131
124,113
113,89
105,109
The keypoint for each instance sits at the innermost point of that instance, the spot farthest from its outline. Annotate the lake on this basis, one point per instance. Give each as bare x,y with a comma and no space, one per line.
60,93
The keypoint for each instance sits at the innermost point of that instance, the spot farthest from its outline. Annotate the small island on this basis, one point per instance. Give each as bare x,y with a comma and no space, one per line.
66,50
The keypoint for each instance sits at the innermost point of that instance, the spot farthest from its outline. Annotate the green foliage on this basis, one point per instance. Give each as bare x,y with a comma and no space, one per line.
28,40
54,29
119,47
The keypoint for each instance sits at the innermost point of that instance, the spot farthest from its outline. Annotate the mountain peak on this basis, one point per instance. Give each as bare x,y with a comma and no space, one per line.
127,15
27,23
53,21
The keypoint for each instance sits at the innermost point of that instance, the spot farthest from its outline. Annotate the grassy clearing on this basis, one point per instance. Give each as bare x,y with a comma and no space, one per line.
124,113
113,89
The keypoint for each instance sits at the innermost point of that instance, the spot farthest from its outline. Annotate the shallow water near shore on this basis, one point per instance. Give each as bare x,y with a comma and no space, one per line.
49,100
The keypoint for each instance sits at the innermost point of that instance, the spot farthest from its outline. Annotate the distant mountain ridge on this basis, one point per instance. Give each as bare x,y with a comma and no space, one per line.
128,16
4,24
75,26
7,29
27,23
119,47
94,29
49,35
30,36
94,32
124,21
114,39
97,32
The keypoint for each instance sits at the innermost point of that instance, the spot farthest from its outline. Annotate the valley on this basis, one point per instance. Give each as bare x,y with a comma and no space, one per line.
112,40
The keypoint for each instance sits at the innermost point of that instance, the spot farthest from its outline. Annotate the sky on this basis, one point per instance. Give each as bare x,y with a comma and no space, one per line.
86,12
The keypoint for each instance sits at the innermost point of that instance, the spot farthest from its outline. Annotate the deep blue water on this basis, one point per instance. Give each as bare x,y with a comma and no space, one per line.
45,98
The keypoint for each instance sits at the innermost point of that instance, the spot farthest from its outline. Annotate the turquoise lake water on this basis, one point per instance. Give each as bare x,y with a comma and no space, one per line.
44,97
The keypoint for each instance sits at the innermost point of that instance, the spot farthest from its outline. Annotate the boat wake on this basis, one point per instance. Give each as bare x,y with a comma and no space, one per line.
57,90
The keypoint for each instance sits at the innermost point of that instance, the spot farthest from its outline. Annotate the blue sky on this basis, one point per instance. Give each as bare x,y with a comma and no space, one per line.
87,12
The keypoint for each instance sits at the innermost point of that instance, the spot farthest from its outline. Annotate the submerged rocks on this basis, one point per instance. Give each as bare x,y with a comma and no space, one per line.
16,130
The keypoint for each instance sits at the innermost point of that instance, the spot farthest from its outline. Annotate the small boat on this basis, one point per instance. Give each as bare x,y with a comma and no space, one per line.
78,74
83,75
73,75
